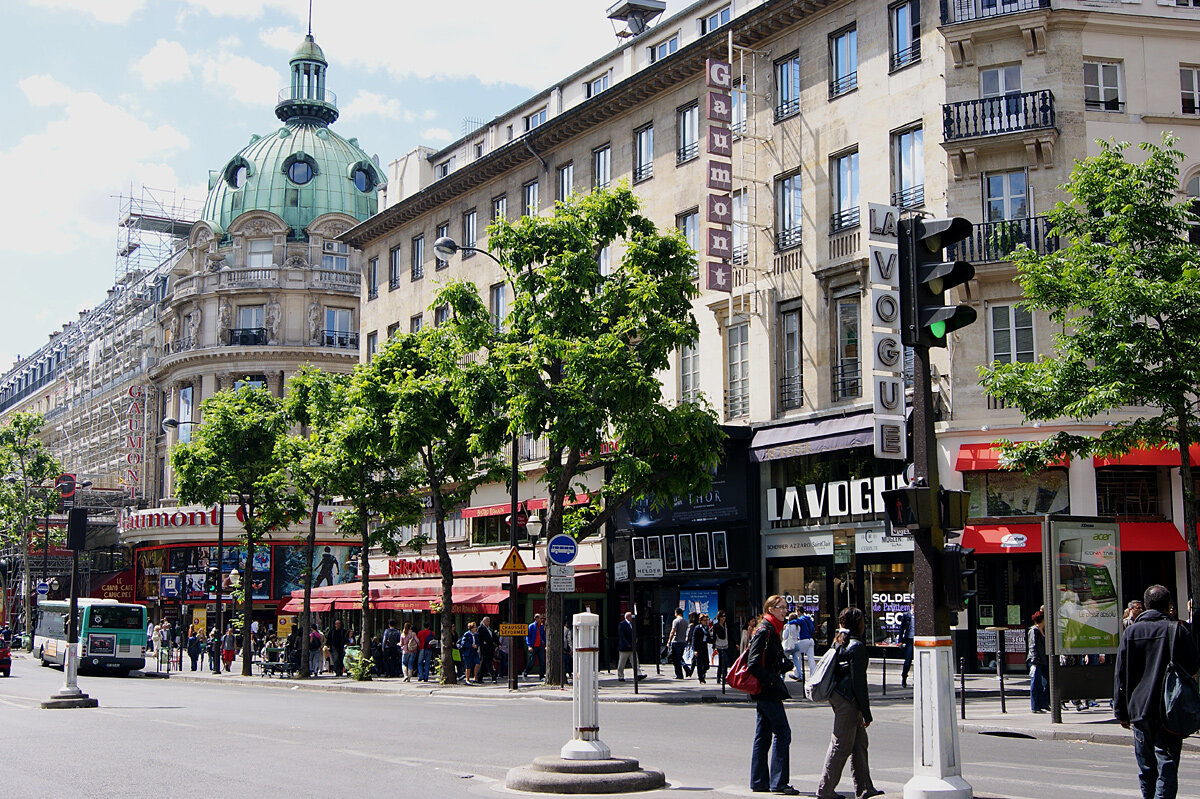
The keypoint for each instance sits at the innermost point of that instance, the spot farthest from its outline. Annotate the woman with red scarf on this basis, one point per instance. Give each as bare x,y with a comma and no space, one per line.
765,660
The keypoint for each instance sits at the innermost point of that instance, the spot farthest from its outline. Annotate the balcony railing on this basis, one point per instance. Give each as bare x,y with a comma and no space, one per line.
992,116
247,336
786,239
741,255
844,220
342,339
737,404
906,56
912,197
373,293
847,380
258,276
791,391
995,241
967,10
341,279
687,152
787,108
643,171
842,84
181,345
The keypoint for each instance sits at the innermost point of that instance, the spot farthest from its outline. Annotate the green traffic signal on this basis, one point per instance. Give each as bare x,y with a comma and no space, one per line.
925,277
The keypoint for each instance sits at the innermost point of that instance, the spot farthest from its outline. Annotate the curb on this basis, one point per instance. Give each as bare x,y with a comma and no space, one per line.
1122,738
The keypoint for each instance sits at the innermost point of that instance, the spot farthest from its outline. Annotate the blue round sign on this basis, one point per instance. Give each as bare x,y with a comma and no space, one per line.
562,549
43,589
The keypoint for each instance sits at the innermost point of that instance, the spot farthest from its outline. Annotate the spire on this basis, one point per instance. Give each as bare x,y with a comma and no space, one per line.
310,19
306,99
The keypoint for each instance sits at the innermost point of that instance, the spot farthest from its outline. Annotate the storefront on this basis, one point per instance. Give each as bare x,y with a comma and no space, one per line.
826,541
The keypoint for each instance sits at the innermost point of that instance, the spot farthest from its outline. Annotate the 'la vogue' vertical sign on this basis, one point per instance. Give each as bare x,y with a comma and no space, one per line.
719,172
887,351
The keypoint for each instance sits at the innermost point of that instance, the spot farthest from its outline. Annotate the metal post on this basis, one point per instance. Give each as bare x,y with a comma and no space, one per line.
885,671
220,587
1000,667
585,699
962,681
45,543
637,668
69,696
512,576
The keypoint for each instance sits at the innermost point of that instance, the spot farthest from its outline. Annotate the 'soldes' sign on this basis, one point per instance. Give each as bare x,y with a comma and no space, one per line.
719,175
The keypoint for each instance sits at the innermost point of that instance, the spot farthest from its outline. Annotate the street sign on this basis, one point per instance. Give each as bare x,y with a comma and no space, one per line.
565,585
556,570
514,563
648,568
168,586
43,589
513,630
562,549
621,571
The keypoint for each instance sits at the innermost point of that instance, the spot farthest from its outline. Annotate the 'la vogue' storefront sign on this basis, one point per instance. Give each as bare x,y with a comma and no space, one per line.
830,500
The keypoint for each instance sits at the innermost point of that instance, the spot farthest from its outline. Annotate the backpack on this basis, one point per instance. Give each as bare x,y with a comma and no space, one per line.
391,637
413,644
1180,695
821,681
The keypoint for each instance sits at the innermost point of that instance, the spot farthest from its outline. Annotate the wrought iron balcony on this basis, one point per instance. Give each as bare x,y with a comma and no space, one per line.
993,116
787,108
181,344
842,84
373,293
847,380
966,10
906,56
643,171
687,152
995,241
247,336
737,404
791,391
912,197
342,339
786,239
844,220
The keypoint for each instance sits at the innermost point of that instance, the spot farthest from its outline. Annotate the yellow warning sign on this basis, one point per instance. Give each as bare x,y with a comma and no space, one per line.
513,629
514,562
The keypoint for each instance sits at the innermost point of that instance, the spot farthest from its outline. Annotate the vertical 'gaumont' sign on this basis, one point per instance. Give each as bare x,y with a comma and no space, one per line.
719,172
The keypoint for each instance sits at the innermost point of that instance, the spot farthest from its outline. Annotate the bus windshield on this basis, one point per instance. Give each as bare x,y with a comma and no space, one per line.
115,618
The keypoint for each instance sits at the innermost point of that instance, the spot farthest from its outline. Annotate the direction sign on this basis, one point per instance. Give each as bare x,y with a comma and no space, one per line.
43,589
564,585
168,586
514,563
513,629
621,570
648,568
556,570
562,549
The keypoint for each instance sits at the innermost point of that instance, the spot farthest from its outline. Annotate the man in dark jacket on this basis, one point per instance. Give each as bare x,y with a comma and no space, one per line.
1142,662
766,661
336,640
625,647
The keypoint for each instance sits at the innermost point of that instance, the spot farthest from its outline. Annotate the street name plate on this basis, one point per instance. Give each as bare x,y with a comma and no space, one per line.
621,570
564,585
648,568
513,629
557,570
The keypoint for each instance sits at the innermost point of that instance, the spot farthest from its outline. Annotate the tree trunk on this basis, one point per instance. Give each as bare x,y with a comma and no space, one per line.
27,590
248,600
364,572
310,549
1189,510
449,675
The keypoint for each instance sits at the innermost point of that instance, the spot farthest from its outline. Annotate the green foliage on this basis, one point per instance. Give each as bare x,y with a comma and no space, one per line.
24,458
360,668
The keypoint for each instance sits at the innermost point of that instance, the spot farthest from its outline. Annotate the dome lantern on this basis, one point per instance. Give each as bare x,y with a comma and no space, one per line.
306,98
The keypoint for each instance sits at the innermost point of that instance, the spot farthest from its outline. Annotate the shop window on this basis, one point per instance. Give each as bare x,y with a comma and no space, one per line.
493,530
805,589
890,587
1125,491
1001,493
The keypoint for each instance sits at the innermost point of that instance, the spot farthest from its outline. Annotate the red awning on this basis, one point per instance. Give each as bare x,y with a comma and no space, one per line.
1003,539
984,457
1152,456
529,504
296,605
471,594
1151,537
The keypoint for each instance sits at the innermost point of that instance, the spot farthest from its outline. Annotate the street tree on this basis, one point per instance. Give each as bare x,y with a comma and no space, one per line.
316,401
1124,296
236,448
582,350
29,472
447,419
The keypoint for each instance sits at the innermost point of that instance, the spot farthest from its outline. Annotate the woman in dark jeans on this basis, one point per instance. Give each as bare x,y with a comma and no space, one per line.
720,636
765,660
851,711
699,641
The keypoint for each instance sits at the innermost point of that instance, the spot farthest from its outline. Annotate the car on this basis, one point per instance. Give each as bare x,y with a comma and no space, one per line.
5,658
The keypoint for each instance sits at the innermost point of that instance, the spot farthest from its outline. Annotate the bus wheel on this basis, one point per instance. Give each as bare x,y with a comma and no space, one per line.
42,657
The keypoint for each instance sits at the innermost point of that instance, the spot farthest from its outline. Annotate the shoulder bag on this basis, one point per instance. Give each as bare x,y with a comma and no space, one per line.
1180,695
739,677
820,682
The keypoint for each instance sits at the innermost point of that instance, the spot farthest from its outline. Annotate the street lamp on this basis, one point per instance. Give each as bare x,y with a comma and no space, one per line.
445,247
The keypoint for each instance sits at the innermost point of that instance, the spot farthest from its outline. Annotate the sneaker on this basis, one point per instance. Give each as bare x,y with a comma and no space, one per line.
867,794
786,790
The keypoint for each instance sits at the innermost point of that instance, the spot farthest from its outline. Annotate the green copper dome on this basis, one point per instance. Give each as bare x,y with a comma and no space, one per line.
303,169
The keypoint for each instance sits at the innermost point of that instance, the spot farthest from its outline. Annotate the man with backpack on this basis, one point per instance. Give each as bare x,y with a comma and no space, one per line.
1153,646
391,650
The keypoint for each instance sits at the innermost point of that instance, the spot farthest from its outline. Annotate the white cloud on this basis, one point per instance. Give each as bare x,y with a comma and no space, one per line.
116,11
371,104
69,170
436,134
167,62
241,78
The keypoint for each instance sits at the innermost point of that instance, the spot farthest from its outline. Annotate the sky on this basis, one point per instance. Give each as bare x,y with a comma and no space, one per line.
103,97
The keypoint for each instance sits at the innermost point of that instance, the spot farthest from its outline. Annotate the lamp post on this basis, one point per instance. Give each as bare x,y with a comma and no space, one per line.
235,580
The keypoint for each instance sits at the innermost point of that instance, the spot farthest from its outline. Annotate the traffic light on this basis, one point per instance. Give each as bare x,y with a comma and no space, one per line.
212,580
952,510
958,575
909,508
925,277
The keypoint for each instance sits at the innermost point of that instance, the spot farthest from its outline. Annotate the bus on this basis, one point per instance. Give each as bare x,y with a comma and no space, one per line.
112,634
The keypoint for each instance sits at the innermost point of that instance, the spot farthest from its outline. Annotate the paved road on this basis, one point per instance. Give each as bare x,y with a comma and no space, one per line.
155,738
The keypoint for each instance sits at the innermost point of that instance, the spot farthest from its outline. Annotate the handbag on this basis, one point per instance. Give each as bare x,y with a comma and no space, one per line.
820,682
740,678
689,655
1180,695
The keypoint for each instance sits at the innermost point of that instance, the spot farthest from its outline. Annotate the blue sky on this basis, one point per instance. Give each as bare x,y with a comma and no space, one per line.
105,96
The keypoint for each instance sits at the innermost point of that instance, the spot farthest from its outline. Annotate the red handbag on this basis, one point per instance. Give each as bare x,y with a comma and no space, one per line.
740,678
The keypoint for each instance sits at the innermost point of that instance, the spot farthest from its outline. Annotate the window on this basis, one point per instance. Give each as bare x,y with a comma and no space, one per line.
689,224
250,317
643,153
689,373
372,278
259,253
787,87
416,264
843,62
468,233
597,85
443,230
443,169
1189,87
535,119
335,255
908,168
529,203
1126,491
185,415
1003,493
604,260
249,330
905,20
300,172
602,167
500,208
394,328
687,133
372,345
737,386
1102,86
741,249
1193,192
394,269
1005,196
788,212
845,192
478,150
847,383
715,20
1001,88
364,181
565,182
414,323
441,315
1012,334
508,132
339,329
737,114
498,305
791,387
664,48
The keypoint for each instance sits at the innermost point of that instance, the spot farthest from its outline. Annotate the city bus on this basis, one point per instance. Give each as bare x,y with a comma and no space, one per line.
112,635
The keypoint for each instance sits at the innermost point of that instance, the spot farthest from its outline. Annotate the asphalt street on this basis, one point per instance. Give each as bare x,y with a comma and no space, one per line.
169,738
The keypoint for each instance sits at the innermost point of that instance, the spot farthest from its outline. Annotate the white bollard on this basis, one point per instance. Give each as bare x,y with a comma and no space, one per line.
585,700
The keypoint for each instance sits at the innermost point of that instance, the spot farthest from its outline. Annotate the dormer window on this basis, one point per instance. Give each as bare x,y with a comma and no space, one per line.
364,181
300,168
237,173
535,119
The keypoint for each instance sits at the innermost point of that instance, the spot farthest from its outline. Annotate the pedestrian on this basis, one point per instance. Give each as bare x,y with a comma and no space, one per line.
337,640
567,650
747,632
316,655
228,647
194,648
535,640
150,628
765,660
410,645
676,642
699,641
425,656
1146,649
851,710
1132,611
487,649
391,650
720,640
1039,664
904,637
502,651
625,647
214,651
468,646
791,643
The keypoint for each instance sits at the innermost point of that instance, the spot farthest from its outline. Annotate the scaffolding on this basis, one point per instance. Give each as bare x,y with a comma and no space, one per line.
749,147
